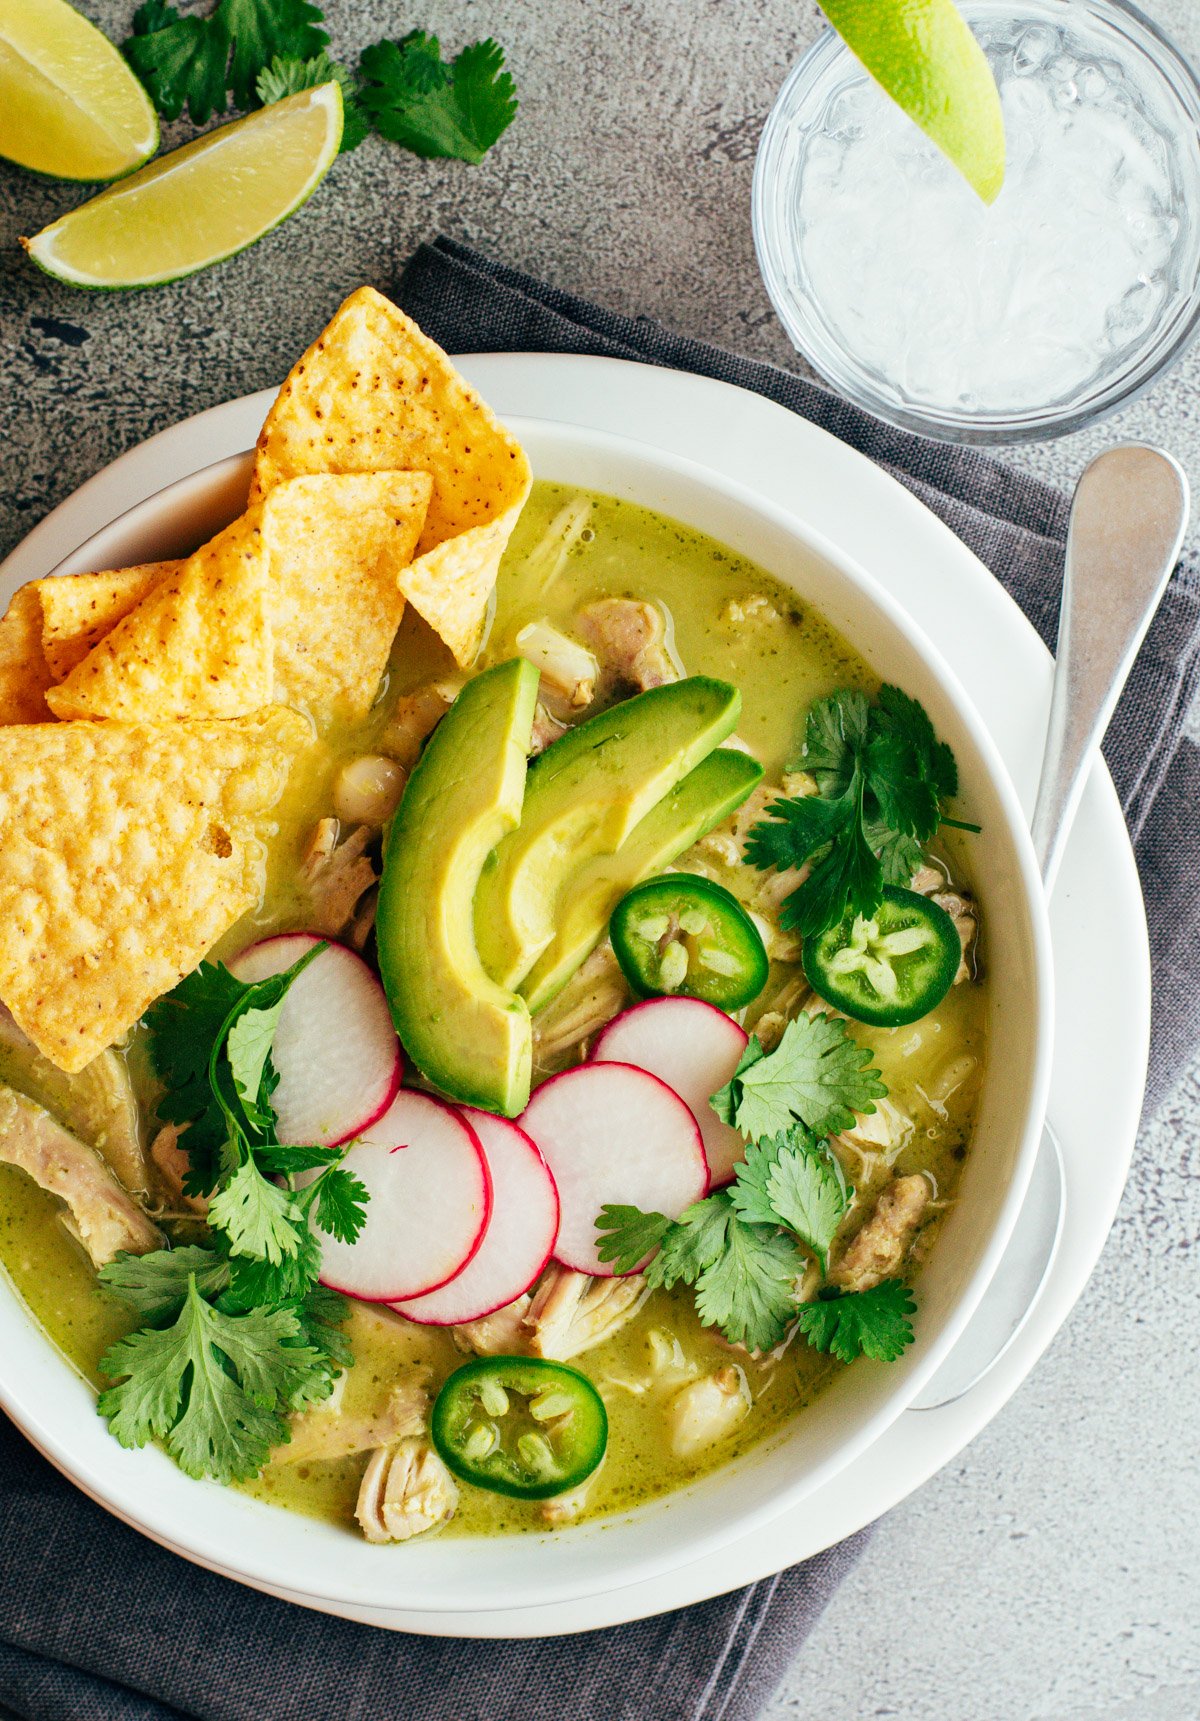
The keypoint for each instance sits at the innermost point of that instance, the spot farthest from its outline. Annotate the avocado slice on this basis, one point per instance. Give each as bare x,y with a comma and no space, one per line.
467,1034
583,797
717,786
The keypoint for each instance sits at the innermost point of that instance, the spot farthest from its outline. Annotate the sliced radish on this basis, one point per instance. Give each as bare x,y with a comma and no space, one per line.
694,1048
519,1238
430,1197
612,1133
336,1051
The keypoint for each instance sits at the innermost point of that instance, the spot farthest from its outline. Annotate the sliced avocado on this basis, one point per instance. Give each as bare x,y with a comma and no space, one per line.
583,797
469,1035
717,786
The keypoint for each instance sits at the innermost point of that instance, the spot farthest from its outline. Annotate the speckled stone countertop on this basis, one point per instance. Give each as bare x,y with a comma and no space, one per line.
1050,1572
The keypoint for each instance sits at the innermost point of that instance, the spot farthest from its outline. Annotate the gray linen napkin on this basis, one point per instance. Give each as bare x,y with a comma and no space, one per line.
97,1624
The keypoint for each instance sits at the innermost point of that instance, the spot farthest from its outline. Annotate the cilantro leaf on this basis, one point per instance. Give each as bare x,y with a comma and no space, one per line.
725,1101
749,1290
256,1216
882,780
261,1283
287,76
627,1235
793,1180
181,61
438,108
693,1243
278,1160
817,1074
212,1386
194,62
851,1324
341,1203
248,1048
156,1285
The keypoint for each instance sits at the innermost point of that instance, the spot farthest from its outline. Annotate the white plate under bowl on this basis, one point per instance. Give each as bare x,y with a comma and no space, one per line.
818,479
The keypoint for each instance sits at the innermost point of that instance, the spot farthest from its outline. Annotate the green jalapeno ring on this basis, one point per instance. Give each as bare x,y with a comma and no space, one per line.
888,969
681,935
563,1434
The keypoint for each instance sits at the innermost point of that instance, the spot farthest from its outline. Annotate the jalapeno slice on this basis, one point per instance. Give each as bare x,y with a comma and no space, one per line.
520,1425
684,935
890,968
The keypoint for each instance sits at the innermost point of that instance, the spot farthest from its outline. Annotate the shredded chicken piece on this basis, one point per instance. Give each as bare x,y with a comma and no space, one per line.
964,914
936,884
592,997
707,1410
172,1164
325,1431
97,1103
565,1508
406,1490
878,1250
546,730
102,1214
631,640
501,1333
414,718
886,1129
569,671
755,606
337,875
363,924
571,1312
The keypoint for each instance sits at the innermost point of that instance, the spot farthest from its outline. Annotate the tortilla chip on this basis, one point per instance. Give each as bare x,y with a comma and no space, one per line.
374,394
126,850
24,674
198,644
336,547
79,609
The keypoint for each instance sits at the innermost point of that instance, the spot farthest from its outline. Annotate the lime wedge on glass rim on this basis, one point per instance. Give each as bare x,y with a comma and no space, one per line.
201,203
69,105
925,57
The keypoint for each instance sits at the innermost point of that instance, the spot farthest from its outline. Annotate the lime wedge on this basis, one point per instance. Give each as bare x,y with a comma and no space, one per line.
69,105
927,60
200,203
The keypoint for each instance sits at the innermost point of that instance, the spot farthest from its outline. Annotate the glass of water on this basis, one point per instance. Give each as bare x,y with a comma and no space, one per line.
1053,306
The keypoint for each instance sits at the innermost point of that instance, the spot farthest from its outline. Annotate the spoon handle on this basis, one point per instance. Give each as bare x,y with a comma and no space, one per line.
1127,524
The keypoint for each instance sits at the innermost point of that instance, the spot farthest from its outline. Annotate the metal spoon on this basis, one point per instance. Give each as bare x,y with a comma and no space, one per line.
1127,523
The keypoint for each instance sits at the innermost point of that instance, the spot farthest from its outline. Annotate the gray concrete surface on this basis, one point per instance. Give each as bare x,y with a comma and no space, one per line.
1050,1573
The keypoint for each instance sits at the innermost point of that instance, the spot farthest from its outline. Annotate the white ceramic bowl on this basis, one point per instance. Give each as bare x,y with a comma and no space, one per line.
332,1568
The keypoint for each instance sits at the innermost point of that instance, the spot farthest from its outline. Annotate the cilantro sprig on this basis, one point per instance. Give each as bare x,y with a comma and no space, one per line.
212,1379
435,107
254,52
236,1335
745,1248
883,780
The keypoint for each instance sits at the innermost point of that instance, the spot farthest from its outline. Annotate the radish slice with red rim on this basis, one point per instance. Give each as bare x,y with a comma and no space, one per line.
429,1200
694,1048
335,1049
519,1238
611,1133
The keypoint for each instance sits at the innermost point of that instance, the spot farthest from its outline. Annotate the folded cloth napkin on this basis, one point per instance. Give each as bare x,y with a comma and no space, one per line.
97,1624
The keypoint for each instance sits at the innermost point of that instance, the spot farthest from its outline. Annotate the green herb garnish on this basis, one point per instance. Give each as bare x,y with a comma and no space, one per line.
287,76
436,107
742,1249
255,52
883,779
851,1324
239,1334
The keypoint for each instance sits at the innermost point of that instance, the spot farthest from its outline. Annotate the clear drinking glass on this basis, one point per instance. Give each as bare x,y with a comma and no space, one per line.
1060,302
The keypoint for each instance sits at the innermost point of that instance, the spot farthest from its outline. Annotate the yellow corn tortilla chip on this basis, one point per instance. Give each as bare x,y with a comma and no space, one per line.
126,850
374,394
198,644
337,545
79,609
24,674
